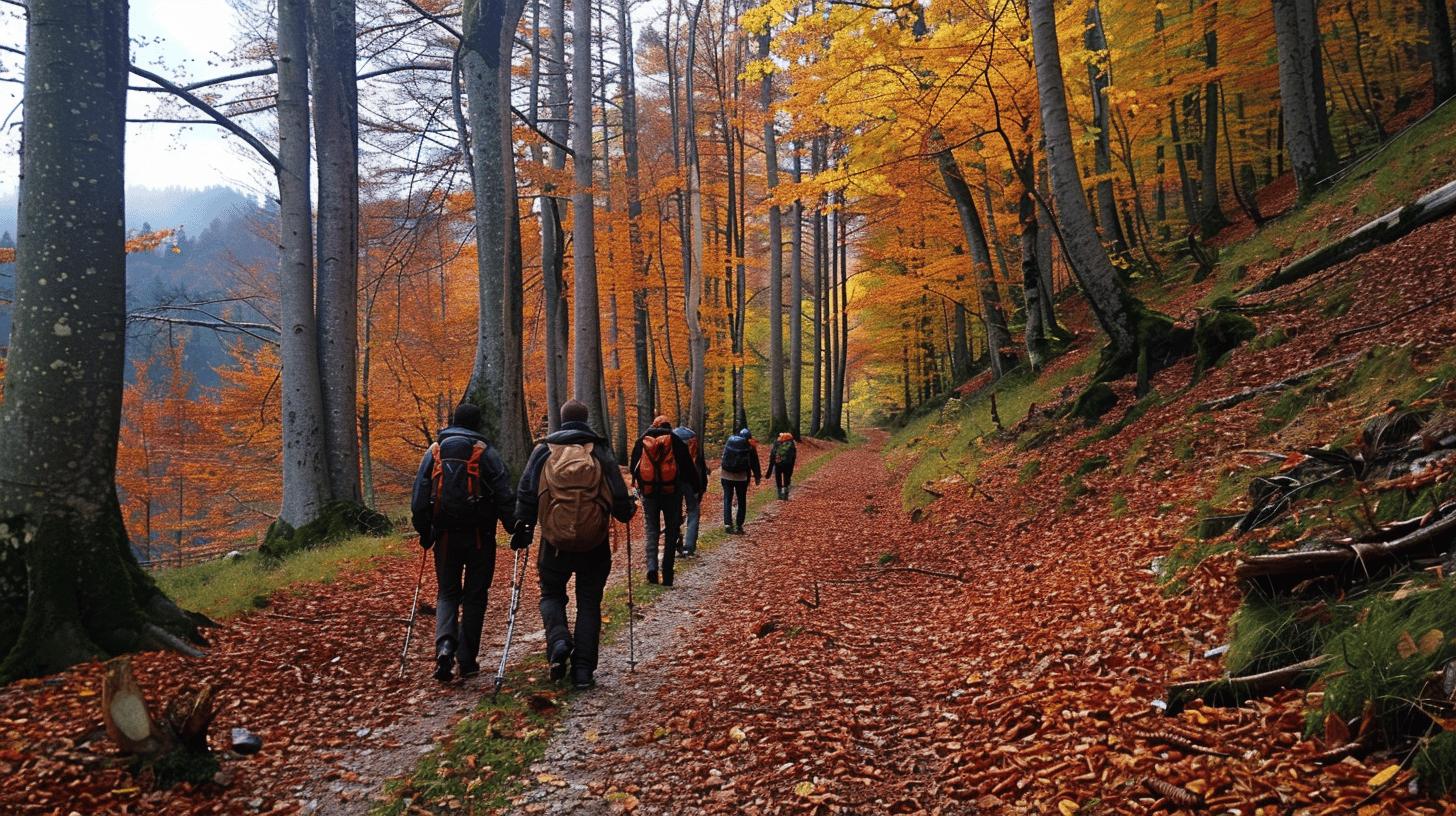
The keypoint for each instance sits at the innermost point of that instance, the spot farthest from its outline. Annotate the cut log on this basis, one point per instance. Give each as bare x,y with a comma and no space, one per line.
1364,557
1395,224
124,709
1288,382
1231,691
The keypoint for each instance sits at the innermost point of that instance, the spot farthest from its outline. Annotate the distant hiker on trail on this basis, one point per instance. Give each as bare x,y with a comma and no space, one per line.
693,499
781,463
571,489
461,491
663,472
739,461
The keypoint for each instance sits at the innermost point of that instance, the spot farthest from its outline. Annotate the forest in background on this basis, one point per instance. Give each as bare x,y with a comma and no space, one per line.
792,216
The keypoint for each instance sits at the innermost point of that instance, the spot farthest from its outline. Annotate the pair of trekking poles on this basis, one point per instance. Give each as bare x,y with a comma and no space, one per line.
517,575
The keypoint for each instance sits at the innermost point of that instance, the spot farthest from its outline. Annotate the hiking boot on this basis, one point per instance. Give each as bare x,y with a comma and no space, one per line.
557,656
739,530
469,670
667,577
445,666
728,528
581,681
652,576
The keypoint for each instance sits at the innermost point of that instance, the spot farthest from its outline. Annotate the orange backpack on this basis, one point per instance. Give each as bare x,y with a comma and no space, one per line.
456,489
574,500
657,469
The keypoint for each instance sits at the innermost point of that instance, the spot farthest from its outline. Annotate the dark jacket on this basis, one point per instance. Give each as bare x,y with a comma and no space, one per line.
572,433
753,471
499,504
701,462
689,477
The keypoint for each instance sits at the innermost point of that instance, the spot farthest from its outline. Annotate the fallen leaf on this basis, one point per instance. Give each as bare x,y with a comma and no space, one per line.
1067,807
737,734
1406,646
1431,641
805,788
1384,776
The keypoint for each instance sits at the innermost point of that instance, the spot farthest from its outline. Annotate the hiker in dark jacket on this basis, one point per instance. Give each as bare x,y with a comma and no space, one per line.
735,474
781,458
663,472
464,544
693,499
570,485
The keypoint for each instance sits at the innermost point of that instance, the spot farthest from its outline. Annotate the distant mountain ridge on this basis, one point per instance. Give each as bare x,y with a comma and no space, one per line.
162,207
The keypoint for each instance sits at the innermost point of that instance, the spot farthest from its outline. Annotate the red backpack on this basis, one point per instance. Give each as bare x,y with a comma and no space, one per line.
657,469
456,489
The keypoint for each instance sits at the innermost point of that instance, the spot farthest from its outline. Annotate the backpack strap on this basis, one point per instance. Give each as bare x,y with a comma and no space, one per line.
437,474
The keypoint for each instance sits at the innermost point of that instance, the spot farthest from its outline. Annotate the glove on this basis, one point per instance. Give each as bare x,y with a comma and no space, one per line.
521,538
425,542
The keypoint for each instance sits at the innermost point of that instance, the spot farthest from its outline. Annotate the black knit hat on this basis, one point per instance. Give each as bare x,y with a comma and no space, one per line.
467,415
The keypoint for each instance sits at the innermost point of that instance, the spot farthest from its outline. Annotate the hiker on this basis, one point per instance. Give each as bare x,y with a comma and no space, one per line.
461,491
571,489
693,498
739,461
663,472
781,463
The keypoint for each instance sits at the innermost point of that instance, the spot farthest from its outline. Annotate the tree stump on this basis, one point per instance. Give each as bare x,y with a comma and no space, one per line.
173,749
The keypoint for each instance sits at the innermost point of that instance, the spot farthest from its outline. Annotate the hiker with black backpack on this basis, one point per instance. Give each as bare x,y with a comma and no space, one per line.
738,463
781,463
572,488
692,499
461,491
663,472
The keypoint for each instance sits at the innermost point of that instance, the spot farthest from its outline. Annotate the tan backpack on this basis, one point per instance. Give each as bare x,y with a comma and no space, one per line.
574,501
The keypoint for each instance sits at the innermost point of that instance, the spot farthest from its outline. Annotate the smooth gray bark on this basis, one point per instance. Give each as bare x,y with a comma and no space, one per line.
697,340
553,236
333,51
1095,39
796,307
1116,311
778,409
993,318
587,348
1443,62
305,467
631,160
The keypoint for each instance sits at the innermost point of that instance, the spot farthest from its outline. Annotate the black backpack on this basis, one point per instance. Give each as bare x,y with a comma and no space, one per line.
457,490
736,455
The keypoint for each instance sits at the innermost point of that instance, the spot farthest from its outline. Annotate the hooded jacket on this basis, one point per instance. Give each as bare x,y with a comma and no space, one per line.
572,433
498,505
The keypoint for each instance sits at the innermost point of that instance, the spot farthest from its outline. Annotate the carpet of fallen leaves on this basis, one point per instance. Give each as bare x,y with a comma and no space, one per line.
315,674
1003,655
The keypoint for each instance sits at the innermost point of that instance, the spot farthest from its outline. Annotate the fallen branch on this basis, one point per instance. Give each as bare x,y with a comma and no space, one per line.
1380,324
1369,556
1288,382
1231,691
1395,224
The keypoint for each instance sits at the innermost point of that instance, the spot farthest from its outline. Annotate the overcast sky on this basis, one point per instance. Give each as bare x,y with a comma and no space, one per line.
184,38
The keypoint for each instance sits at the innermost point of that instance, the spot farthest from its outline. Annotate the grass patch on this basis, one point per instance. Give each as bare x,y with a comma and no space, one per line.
1273,338
955,446
1118,507
228,587
1136,453
1029,471
480,766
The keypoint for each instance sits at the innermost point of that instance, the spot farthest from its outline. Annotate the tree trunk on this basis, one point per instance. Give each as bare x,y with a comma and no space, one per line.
1210,212
70,587
488,28
796,309
1300,129
697,339
305,468
1100,77
333,49
1443,62
1116,310
778,409
586,369
816,404
553,237
641,365
1037,349
993,319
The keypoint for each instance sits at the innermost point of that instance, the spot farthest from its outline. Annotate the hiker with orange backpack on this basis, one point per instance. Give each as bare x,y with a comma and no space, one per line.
693,499
663,472
781,459
572,488
461,491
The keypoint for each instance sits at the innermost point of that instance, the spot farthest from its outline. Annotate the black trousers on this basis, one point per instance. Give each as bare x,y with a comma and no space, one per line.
783,476
662,519
730,490
464,567
590,568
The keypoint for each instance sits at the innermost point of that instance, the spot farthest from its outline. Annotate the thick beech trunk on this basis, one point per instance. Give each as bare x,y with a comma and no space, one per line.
993,318
641,367
488,28
796,309
1443,61
778,409
333,51
1117,311
553,237
1099,74
70,587
697,339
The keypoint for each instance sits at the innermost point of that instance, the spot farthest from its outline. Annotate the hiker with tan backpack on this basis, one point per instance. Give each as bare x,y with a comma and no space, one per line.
664,473
572,488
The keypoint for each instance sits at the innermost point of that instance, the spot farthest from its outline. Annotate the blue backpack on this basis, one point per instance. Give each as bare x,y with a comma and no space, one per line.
737,455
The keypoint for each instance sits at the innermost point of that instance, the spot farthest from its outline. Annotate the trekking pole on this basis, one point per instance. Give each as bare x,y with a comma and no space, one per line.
414,609
631,607
517,576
